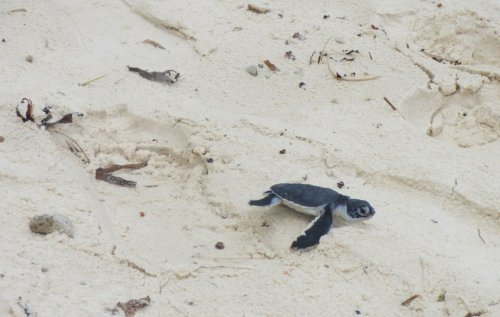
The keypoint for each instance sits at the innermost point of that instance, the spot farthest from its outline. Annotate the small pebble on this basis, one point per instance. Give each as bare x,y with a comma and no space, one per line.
142,214
302,84
219,245
298,36
260,66
340,184
338,39
2,139
282,151
45,224
326,16
210,160
3,40
29,59
358,312
252,70
45,270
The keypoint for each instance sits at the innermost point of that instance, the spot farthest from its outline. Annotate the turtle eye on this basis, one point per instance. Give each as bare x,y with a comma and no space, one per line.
364,211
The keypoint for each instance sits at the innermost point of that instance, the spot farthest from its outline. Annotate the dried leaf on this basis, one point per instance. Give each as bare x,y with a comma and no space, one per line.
28,111
104,174
154,43
133,305
271,66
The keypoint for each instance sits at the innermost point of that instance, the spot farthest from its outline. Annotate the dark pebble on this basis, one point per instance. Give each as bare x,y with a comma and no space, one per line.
340,184
219,245
282,151
210,160
302,84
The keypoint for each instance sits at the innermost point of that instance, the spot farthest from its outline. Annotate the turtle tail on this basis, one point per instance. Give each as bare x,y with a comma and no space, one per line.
269,200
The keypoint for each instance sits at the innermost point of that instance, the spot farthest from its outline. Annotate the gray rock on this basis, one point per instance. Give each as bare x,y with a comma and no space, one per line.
339,40
252,70
46,224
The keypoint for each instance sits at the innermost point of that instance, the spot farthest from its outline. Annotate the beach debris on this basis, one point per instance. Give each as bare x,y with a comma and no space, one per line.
88,82
283,151
439,5
105,174
340,184
271,66
2,139
326,16
153,43
210,160
338,39
219,245
29,59
390,104
45,224
479,234
408,301
24,110
3,40
252,70
357,312
177,29
302,84
50,120
311,58
18,10
290,55
169,76
25,307
298,36
133,305
441,297
257,9
74,147
141,214
264,224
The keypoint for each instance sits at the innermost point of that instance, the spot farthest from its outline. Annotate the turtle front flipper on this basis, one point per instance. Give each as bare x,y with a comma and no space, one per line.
319,227
270,200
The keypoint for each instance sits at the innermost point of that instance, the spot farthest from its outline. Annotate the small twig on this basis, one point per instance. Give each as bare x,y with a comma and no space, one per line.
164,284
390,104
221,267
153,43
310,58
409,300
119,80
323,50
480,237
370,54
92,80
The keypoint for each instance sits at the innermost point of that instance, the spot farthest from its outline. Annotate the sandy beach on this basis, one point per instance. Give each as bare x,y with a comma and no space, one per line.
399,101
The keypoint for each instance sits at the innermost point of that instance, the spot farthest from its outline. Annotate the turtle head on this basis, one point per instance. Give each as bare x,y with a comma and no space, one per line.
358,210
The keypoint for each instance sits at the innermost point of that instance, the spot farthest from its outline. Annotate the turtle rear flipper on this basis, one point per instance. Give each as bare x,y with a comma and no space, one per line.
270,200
319,227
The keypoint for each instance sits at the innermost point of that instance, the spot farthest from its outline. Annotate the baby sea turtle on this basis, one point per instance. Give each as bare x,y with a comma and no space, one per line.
322,203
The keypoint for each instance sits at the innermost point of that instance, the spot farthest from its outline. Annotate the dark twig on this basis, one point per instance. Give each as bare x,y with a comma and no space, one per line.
480,237
390,104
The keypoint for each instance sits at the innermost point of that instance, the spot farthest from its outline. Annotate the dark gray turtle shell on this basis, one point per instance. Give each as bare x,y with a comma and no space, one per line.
307,195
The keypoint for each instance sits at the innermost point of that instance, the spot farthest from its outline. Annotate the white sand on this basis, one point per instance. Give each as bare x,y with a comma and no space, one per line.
433,194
